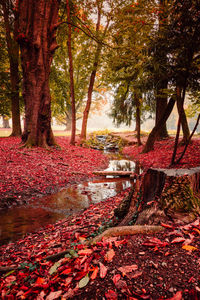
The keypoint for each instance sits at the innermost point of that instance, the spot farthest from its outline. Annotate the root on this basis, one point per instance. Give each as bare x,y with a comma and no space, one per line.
127,230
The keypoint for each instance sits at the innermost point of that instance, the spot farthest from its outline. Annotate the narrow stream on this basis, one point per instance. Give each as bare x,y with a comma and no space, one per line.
16,222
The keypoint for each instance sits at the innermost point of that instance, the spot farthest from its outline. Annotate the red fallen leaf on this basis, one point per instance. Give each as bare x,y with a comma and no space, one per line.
166,225
67,271
111,295
178,240
118,243
134,275
128,269
95,272
121,285
116,278
80,275
103,270
85,252
177,296
40,280
54,295
152,242
68,281
109,255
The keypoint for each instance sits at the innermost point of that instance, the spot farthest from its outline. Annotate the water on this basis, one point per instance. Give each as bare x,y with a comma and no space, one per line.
16,222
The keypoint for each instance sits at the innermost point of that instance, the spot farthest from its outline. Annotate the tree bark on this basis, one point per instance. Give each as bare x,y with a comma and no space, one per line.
71,74
155,131
161,105
13,54
182,115
138,119
38,21
93,74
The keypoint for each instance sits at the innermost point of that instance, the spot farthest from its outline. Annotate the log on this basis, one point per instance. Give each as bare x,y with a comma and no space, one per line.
115,173
127,230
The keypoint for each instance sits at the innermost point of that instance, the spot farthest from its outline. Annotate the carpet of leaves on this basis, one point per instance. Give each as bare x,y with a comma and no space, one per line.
27,173
160,157
159,266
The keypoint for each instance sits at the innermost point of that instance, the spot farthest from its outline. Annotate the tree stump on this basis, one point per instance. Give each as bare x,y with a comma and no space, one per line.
172,193
162,196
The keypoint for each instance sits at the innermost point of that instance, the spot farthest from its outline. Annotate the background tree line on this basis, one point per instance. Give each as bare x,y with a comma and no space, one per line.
145,52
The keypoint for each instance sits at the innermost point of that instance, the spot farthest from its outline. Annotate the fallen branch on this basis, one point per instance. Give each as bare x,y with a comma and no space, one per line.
114,173
127,230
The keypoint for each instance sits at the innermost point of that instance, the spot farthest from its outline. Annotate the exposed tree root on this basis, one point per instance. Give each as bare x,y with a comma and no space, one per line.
127,230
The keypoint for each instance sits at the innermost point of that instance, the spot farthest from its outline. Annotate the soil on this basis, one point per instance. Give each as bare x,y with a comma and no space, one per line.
165,265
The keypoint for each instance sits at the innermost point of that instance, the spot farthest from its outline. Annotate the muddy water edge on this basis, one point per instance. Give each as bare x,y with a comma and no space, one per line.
16,222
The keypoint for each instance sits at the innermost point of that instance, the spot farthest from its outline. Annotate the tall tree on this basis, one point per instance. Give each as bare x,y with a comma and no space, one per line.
100,37
38,21
11,28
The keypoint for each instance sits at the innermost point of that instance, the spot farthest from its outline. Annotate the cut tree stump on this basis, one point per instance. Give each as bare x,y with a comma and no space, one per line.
174,192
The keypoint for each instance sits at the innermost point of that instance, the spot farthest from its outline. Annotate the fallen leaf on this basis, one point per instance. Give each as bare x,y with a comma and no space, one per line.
109,255
54,268
178,240
128,269
103,270
85,252
84,281
54,295
95,272
116,278
68,280
40,280
177,296
189,248
111,295
66,271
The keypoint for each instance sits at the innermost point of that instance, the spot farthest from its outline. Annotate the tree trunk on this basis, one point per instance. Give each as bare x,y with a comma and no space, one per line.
155,131
93,74
5,122
13,54
182,115
138,119
37,39
161,105
71,74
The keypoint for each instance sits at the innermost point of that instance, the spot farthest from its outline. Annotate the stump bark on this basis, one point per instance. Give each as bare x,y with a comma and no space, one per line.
166,194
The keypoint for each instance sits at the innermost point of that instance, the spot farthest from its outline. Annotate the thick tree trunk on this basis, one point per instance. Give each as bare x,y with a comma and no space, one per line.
37,27
161,105
13,54
155,131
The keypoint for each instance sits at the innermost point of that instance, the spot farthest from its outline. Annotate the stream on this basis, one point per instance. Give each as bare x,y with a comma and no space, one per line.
16,222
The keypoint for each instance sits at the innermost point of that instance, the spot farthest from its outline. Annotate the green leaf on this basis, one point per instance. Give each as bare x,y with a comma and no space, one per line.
84,281
10,272
54,268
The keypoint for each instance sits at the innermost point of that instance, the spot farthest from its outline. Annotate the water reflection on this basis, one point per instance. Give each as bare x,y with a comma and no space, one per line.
16,222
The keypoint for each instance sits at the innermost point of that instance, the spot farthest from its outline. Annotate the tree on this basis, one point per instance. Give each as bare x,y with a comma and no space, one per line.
71,74
100,35
11,26
38,21
128,60
181,40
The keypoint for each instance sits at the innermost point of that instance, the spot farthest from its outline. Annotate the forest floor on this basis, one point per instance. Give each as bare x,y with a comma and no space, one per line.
165,265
